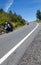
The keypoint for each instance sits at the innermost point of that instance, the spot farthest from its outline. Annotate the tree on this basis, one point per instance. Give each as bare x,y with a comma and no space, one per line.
15,14
1,10
10,12
38,15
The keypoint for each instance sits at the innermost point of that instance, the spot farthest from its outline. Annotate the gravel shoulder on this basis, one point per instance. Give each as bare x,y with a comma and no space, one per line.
32,55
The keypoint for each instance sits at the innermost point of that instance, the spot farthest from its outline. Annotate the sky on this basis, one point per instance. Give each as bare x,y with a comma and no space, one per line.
26,8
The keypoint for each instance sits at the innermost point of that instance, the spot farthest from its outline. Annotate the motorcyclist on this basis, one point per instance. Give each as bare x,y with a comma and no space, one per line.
7,27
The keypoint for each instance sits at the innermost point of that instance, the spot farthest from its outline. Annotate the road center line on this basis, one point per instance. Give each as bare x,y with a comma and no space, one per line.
15,47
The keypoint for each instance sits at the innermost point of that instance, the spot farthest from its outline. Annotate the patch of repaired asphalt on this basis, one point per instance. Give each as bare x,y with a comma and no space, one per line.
32,55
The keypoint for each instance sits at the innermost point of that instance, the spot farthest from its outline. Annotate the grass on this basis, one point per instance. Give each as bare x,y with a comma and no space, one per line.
18,27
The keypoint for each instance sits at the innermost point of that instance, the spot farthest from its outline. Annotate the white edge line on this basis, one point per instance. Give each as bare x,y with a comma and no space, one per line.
15,47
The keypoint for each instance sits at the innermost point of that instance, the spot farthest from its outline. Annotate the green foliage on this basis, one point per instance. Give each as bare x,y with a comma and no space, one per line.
38,14
11,17
1,10
10,12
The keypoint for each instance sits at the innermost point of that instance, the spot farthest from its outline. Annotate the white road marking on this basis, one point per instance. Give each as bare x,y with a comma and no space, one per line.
15,47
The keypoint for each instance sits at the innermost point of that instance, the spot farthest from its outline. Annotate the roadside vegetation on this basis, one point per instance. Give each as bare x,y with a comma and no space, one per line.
13,19
38,16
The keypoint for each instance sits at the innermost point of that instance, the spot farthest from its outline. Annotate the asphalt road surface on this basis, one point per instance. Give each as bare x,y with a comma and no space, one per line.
32,55
8,41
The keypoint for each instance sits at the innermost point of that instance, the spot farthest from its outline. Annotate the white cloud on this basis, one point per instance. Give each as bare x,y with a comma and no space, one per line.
8,5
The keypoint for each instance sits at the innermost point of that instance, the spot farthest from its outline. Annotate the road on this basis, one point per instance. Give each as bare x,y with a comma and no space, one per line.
32,55
8,41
